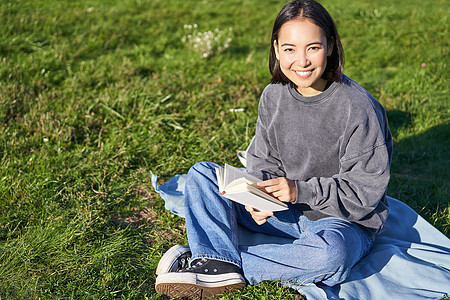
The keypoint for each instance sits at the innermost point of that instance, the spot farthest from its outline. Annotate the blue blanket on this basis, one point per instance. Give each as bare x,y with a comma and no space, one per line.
411,260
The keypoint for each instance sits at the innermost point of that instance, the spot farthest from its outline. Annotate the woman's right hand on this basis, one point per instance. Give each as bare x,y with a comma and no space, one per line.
260,217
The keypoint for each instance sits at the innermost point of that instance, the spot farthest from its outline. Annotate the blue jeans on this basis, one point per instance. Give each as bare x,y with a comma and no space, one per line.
314,251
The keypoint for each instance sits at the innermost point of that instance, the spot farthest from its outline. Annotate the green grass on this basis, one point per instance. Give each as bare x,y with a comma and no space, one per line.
96,94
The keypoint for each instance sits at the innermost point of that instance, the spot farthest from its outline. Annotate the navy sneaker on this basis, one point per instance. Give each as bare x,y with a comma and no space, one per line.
205,278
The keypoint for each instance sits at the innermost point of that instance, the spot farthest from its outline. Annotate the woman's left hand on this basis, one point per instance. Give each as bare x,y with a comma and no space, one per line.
282,188
260,217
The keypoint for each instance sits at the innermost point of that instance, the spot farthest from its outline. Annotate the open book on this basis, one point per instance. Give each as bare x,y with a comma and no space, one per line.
239,186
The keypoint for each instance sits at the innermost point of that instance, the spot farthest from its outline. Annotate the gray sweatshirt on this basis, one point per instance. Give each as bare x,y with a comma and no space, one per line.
336,146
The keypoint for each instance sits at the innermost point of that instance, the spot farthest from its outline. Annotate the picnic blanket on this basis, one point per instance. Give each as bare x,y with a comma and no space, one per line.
410,260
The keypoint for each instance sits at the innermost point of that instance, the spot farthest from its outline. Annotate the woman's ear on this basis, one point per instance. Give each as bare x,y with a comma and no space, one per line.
275,46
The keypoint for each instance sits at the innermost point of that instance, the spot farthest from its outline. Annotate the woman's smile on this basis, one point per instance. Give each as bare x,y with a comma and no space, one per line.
303,74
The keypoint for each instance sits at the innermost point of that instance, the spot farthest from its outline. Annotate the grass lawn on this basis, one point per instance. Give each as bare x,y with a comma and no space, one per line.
96,94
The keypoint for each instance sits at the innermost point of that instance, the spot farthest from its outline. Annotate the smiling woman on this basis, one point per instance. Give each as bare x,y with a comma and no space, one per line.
323,146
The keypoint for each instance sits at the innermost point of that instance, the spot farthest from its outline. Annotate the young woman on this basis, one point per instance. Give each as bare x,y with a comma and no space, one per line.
322,145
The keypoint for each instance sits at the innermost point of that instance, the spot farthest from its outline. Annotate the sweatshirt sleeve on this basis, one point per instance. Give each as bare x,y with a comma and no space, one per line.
262,158
358,191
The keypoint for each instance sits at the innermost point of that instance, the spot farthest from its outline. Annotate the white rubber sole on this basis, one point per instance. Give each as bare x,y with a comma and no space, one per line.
168,262
197,286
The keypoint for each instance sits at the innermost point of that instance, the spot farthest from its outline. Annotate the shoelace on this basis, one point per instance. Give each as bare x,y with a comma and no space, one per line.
197,264
184,262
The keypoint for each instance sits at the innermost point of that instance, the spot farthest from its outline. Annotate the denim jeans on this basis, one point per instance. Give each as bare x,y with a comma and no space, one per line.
314,251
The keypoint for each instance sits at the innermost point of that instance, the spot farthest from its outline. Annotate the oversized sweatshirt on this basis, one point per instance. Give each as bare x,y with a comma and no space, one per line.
336,147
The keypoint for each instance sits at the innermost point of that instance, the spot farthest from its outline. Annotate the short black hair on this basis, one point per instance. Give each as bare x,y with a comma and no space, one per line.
308,9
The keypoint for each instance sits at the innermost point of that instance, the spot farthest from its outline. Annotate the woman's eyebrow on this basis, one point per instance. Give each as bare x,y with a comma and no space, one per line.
293,45
315,43
287,45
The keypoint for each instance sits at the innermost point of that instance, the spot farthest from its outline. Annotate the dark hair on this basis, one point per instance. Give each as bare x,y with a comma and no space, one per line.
308,9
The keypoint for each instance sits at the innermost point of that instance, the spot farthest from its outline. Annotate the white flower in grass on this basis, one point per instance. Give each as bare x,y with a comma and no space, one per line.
207,43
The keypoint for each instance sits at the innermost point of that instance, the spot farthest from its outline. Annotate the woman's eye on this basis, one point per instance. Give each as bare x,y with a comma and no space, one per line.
288,50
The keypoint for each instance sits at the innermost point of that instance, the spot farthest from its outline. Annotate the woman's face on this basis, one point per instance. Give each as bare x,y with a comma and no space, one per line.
302,50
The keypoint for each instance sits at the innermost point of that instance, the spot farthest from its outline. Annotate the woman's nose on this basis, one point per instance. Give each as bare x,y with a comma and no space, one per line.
302,59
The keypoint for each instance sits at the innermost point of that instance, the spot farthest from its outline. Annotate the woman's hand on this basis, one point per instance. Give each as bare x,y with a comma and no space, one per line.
260,217
281,188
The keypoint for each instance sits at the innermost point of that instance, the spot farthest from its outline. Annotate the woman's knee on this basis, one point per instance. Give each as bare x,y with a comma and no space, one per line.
324,249
202,167
201,176
338,257
336,250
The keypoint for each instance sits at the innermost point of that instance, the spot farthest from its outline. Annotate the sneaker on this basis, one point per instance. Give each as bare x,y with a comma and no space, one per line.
175,259
205,278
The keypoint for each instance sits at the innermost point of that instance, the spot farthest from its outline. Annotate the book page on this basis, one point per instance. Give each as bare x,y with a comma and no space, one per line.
219,176
233,173
238,185
264,195
250,199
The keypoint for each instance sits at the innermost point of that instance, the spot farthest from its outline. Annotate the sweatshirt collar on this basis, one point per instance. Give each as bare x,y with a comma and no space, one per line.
324,96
